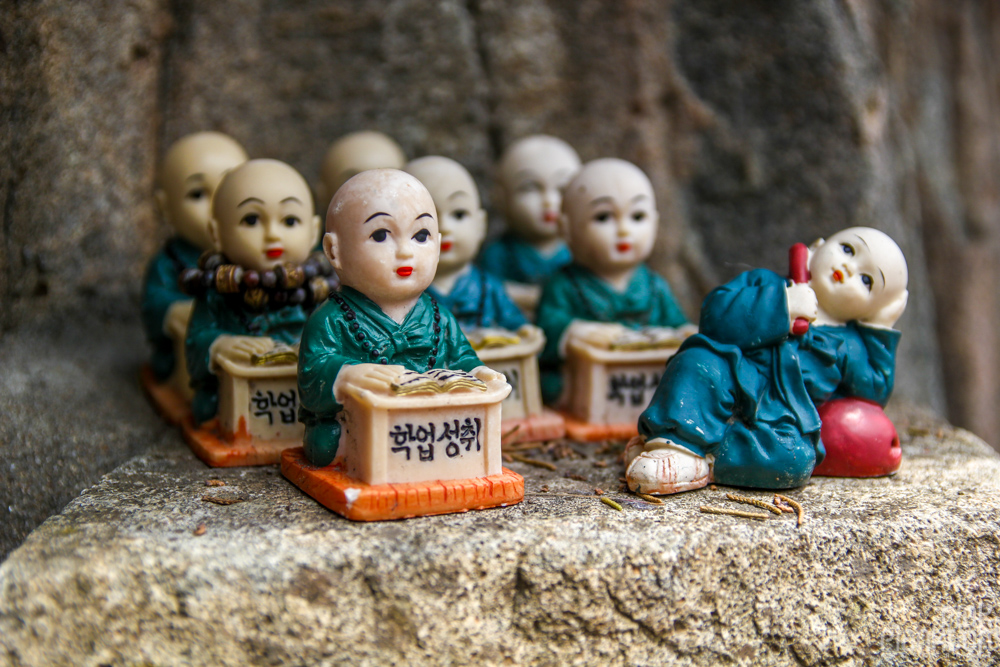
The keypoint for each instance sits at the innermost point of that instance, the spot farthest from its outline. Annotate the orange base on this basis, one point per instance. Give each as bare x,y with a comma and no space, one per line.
210,446
577,429
330,487
165,399
547,426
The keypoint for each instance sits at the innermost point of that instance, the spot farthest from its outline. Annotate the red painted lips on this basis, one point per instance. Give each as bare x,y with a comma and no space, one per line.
274,253
404,271
624,247
445,246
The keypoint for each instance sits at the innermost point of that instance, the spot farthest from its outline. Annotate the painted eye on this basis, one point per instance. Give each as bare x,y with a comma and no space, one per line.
250,220
380,235
848,249
867,281
639,216
422,236
197,194
291,221
460,214
603,216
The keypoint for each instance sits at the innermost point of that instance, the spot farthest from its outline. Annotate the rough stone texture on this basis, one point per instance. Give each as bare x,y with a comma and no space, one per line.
901,570
70,411
760,124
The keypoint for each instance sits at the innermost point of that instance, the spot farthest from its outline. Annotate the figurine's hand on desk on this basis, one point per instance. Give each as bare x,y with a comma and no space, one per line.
595,333
801,303
373,377
241,348
487,374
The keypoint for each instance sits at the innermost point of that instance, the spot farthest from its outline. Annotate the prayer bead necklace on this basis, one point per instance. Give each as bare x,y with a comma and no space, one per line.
377,355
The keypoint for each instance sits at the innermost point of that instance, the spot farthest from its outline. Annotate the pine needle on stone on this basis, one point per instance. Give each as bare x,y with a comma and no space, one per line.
798,508
764,505
746,515
650,499
612,504
534,462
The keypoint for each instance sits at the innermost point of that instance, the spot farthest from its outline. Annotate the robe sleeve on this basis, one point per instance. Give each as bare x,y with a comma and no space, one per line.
504,312
321,356
750,311
869,372
202,331
459,353
669,313
556,310
159,292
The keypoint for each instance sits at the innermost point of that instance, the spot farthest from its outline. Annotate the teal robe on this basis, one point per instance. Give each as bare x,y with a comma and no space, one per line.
160,291
745,391
218,315
333,339
576,293
478,299
512,258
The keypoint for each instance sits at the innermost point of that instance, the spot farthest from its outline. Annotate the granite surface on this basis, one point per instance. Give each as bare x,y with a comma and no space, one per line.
142,569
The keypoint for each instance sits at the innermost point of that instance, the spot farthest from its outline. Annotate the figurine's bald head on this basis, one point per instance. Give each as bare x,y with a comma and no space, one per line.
532,174
461,218
354,153
189,175
382,235
262,215
609,215
857,272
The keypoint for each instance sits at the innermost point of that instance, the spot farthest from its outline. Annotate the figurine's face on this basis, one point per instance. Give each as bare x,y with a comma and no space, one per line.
610,216
382,235
191,172
857,272
533,174
354,153
461,219
263,216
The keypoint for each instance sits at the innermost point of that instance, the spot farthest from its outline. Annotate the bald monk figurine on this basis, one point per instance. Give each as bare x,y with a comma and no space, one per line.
383,241
188,177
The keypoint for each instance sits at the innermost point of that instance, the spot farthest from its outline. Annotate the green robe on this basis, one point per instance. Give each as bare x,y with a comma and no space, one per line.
217,315
160,291
334,338
576,293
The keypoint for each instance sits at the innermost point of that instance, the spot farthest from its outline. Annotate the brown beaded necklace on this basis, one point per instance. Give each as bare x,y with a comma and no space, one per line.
309,283
377,354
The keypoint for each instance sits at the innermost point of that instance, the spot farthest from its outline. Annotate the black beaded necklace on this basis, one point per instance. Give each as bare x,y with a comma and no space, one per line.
377,355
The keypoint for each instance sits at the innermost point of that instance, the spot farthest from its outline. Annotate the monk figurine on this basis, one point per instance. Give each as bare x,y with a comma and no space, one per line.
530,179
188,177
351,154
383,241
609,221
476,298
263,224
737,404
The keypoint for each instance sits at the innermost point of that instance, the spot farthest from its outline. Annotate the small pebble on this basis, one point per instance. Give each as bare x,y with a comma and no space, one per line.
544,489
214,482
201,529
598,492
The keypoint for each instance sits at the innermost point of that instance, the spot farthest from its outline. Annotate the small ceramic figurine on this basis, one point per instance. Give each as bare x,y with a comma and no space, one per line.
352,154
607,294
476,298
530,179
737,404
495,326
256,291
371,354
190,172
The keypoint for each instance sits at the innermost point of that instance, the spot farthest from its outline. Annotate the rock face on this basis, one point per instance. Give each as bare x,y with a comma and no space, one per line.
899,570
760,125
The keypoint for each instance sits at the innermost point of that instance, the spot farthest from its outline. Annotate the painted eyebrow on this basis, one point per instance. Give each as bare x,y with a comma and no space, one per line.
639,196
250,199
375,215
601,200
294,199
456,194
525,172
194,177
425,215
881,273
863,241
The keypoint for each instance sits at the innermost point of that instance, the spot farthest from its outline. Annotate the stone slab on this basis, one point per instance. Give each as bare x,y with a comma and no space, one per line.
900,571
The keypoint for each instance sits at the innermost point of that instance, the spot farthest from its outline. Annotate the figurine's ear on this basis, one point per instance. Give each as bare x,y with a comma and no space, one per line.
213,233
331,246
316,226
161,204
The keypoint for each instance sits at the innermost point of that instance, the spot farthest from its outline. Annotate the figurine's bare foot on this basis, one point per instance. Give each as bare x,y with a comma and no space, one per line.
666,470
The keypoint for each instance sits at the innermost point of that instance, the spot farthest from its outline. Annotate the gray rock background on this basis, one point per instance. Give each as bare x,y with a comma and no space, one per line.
760,123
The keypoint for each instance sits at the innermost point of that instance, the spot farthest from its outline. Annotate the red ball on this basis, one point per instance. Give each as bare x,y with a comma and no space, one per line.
860,440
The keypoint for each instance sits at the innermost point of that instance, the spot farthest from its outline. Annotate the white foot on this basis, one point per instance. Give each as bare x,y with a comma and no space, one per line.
668,469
